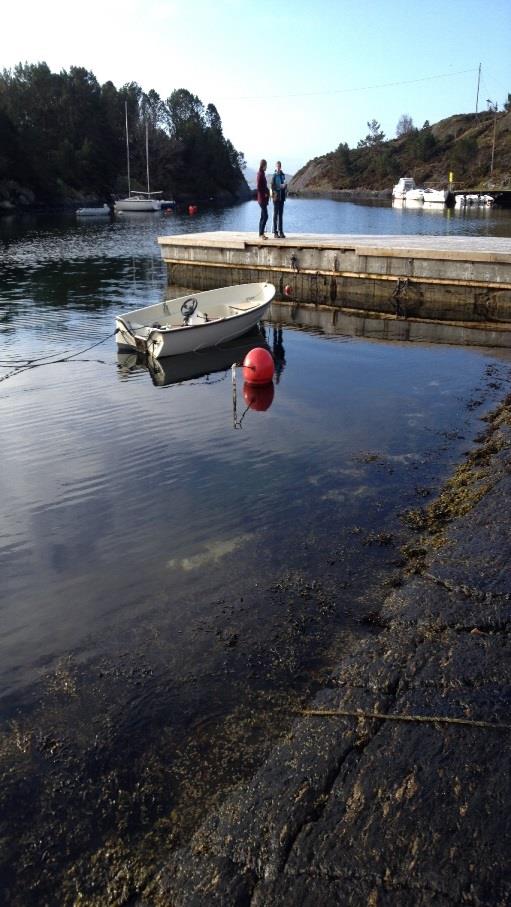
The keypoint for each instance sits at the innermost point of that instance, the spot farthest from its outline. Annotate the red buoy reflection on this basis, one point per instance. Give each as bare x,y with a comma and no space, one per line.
258,396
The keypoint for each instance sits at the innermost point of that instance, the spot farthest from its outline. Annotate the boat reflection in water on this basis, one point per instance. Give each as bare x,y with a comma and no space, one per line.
171,370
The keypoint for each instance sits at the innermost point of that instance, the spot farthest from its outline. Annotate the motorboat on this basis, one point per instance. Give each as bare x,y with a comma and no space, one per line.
406,190
191,323
103,211
405,184
474,200
439,197
414,195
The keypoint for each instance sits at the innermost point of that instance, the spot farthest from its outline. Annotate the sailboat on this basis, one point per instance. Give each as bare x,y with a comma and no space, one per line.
139,200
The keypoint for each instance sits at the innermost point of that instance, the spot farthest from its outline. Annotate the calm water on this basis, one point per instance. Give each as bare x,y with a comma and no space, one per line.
171,582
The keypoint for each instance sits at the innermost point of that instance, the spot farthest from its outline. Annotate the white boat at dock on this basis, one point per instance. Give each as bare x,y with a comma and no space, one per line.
438,197
474,200
414,195
407,191
405,184
195,322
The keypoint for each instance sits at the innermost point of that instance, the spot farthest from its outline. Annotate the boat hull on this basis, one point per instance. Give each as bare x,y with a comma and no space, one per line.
137,204
171,370
220,315
439,197
414,195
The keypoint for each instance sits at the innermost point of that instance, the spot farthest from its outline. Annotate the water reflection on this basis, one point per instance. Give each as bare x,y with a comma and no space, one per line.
258,397
170,585
278,351
380,326
170,370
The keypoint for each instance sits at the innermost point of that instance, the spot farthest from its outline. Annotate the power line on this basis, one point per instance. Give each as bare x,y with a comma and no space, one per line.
311,94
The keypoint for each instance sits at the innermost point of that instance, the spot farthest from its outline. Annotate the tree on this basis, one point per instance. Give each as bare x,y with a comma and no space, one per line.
213,118
507,104
342,163
374,137
425,144
404,125
464,153
63,135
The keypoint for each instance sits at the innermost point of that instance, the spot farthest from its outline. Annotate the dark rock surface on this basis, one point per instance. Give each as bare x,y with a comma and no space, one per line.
373,811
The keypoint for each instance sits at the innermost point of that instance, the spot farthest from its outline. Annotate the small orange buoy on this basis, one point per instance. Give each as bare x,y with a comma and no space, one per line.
288,291
258,366
259,398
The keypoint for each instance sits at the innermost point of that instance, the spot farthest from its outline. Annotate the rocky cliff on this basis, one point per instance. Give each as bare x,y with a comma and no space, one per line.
475,148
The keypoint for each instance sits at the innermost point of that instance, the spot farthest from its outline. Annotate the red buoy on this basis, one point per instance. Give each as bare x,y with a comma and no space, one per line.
288,291
258,366
258,397
192,209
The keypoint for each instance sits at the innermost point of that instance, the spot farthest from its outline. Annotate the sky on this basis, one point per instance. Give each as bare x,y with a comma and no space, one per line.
290,80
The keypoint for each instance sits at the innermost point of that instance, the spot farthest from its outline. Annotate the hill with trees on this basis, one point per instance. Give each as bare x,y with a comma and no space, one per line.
476,148
63,140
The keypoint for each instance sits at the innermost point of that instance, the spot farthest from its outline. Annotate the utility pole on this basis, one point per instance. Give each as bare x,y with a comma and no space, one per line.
478,83
493,108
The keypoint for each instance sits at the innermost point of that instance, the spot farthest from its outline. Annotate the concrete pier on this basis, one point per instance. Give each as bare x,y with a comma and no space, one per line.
463,281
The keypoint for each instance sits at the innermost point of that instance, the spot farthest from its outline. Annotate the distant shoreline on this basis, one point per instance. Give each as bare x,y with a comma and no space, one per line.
343,194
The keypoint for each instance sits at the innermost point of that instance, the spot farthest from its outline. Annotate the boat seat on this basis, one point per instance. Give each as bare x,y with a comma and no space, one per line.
241,306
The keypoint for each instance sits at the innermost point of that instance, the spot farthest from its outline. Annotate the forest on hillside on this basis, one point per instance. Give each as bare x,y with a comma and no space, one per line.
475,148
63,138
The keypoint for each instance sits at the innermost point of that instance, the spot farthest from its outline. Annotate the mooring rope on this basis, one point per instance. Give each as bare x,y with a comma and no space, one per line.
38,363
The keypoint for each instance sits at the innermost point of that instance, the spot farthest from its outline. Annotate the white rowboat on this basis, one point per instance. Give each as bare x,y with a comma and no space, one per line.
103,211
194,322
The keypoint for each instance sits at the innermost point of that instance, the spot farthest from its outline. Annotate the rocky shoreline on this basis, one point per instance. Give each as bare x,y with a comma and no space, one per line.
18,200
343,195
397,794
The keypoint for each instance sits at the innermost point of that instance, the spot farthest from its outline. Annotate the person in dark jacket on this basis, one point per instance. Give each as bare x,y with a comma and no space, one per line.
278,193
263,197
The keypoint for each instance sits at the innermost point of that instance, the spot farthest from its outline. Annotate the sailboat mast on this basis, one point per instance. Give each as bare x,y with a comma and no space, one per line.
147,157
127,147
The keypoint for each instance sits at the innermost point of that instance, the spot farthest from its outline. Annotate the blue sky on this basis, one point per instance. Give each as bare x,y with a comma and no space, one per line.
291,80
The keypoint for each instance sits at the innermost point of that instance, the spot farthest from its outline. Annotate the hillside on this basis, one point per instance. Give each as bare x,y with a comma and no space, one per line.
461,144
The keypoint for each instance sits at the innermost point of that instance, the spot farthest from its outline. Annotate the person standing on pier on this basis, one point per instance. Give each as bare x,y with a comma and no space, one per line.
263,197
278,194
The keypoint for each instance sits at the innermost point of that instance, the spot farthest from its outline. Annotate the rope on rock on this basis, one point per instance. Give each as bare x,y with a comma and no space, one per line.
382,716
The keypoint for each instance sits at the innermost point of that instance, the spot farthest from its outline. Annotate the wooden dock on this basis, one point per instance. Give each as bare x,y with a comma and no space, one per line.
460,281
